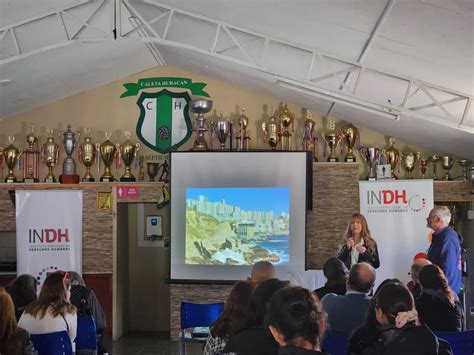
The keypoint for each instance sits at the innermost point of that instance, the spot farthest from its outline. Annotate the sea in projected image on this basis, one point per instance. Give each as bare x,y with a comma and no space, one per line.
237,226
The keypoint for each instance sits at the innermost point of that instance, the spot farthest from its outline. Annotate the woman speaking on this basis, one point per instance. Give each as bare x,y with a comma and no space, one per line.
358,245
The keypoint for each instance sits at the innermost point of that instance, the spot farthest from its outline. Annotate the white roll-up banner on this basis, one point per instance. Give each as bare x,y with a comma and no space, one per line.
48,232
396,212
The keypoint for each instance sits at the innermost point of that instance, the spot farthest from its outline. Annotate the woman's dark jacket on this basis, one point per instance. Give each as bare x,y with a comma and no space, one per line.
372,258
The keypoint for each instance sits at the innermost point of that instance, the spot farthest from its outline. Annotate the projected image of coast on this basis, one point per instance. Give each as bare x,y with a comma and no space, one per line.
237,226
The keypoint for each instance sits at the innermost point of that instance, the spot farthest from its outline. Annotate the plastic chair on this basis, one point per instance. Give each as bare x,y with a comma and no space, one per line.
197,315
86,338
57,343
335,343
462,343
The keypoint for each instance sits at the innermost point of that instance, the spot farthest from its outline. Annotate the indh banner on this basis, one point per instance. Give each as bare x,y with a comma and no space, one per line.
396,212
48,232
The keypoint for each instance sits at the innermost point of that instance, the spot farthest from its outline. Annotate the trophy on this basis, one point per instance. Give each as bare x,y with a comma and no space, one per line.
164,172
243,135
152,170
409,160
447,163
270,131
50,156
393,156
108,151
200,107
222,128
286,119
332,140
423,166
69,175
434,159
464,163
11,155
31,157
310,137
350,134
128,151
372,156
87,155
141,170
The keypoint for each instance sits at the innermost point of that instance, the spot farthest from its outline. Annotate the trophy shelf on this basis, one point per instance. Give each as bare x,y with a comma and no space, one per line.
81,186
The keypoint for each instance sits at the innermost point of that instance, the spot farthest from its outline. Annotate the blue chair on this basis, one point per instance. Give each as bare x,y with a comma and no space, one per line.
57,343
335,343
462,343
86,338
197,315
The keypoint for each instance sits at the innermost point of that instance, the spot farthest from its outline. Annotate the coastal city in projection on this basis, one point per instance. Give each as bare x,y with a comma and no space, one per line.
237,226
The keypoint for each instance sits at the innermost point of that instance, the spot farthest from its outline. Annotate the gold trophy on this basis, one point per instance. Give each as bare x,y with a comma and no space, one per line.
200,107
332,140
447,163
31,157
271,131
128,152
434,159
310,137
393,156
464,163
108,151
243,135
350,134
141,169
87,155
50,154
409,161
423,166
286,119
11,155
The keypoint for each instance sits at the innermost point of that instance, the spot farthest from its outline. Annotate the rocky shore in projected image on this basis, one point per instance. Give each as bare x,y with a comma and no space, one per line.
237,226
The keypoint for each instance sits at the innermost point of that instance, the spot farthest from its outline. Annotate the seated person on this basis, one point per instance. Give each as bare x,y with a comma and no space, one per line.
438,306
23,292
296,321
414,285
346,313
335,272
261,271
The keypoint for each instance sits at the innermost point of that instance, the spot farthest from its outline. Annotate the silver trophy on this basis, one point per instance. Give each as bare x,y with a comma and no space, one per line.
372,156
222,130
200,107
69,175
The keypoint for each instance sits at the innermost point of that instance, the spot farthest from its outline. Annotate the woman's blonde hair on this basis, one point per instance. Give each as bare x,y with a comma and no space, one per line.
369,242
8,325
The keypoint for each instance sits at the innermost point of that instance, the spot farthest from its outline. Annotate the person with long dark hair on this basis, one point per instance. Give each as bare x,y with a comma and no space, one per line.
23,292
358,244
233,318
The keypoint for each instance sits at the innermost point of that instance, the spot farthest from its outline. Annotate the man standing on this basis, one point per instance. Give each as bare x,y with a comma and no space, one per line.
445,248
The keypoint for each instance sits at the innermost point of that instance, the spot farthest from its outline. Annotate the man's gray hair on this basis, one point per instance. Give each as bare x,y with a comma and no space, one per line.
443,213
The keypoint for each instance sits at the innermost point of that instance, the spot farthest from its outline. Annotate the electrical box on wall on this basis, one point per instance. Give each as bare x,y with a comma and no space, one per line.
153,227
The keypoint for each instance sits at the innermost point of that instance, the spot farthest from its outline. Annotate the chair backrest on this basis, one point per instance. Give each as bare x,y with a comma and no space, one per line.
199,314
334,343
461,342
57,343
86,333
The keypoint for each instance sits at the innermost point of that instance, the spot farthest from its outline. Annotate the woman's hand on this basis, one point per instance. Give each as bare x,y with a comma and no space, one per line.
361,249
350,243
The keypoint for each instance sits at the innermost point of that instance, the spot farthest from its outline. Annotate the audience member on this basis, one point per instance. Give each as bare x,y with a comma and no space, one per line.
336,274
399,331
233,318
296,320
438,306
22,291
365,334
87,304
445,248
52,311
358,245
255,339
414,285
346,313
261,271
14,340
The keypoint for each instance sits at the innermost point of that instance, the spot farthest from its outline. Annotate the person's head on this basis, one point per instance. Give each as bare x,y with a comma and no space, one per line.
432,277
438,218
76,279
394,305
361,278
335,270
22,290
261,271
417,265
295,317
357,226
236,311
259,300
8,323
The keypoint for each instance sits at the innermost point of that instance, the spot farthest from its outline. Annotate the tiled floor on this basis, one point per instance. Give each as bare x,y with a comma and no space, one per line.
150,344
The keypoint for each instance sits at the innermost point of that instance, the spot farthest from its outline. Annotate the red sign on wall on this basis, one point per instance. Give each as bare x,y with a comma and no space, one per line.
128,191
